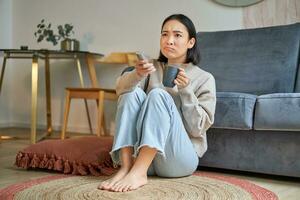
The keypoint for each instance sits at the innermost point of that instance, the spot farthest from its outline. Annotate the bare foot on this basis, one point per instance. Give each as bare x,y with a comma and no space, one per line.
106,185
131,181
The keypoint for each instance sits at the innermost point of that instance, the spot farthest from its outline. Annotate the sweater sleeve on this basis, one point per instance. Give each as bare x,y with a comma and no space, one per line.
198,108
128,82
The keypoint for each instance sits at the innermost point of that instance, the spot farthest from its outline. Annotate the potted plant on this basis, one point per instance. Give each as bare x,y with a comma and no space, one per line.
45,32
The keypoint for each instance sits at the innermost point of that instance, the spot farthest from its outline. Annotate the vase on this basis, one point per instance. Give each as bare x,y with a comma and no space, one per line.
69,45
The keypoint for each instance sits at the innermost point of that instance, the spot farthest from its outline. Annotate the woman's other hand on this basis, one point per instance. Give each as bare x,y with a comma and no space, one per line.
181,80
144,67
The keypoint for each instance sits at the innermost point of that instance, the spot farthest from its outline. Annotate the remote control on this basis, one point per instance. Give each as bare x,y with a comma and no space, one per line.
141,56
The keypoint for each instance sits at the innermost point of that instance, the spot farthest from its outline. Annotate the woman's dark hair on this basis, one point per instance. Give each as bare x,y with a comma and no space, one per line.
193,54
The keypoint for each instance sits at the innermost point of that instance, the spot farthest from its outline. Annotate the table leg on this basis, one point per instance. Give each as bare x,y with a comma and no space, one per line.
79,71
2,72
48,96
91,69
85,101
1,77
34,87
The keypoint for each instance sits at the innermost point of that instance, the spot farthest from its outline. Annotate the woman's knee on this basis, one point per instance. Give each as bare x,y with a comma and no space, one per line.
157,91
137,95
158,94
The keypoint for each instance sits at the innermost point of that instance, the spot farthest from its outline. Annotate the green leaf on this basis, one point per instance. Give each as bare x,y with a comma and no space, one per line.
61,32
54,41
40,38
69,27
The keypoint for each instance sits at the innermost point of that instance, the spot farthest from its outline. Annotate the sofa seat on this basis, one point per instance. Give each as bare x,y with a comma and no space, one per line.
278,111
234,110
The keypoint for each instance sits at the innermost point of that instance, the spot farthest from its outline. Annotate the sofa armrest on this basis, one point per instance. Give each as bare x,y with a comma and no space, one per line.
234,110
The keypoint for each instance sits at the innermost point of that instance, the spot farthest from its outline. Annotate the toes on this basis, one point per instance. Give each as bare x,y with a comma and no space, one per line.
105,187
119,187
115,186
131,188
126,188
102,185
109,186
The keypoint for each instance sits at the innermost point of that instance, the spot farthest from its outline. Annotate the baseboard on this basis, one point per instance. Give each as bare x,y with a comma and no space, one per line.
75,129
5,124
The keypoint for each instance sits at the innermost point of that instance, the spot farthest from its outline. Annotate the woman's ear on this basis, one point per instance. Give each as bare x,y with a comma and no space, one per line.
191,43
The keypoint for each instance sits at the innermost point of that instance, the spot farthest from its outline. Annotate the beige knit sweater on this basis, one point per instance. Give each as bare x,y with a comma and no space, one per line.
196,102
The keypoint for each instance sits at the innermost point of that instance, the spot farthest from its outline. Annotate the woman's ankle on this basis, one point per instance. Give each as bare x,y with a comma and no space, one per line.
140,172
126,157
125,168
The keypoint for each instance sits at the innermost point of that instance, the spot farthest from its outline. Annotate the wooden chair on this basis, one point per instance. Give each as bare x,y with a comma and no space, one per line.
99,94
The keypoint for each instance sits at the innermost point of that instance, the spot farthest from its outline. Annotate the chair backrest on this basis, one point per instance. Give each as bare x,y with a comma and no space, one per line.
256,61
129,58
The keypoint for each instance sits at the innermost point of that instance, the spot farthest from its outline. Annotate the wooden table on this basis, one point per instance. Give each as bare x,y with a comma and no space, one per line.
89,57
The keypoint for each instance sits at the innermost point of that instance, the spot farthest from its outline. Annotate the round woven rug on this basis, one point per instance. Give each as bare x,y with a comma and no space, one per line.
206,186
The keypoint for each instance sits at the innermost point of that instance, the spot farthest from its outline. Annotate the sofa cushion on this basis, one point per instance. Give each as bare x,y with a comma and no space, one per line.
280,111
234,110
255,61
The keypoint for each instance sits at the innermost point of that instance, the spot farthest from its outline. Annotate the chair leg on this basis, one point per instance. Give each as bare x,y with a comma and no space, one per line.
66,114
103,129
100,112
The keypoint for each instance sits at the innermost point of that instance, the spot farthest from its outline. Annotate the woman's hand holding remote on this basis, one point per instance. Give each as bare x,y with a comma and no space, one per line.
143,66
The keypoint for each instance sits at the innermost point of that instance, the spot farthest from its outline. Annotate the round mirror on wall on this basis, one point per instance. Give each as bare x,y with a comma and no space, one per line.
237,3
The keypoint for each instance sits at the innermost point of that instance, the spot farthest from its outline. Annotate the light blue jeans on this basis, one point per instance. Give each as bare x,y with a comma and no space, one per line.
153,120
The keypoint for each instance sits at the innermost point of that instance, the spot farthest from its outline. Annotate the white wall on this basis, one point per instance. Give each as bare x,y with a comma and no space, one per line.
5,42
102,26
5,23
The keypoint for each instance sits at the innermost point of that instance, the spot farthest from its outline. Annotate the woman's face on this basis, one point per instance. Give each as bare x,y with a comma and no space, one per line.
174,42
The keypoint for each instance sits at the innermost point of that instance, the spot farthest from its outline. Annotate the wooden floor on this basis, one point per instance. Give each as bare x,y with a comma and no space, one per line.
285,188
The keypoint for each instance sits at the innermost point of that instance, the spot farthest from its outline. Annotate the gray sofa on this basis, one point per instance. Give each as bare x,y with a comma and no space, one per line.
257,121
